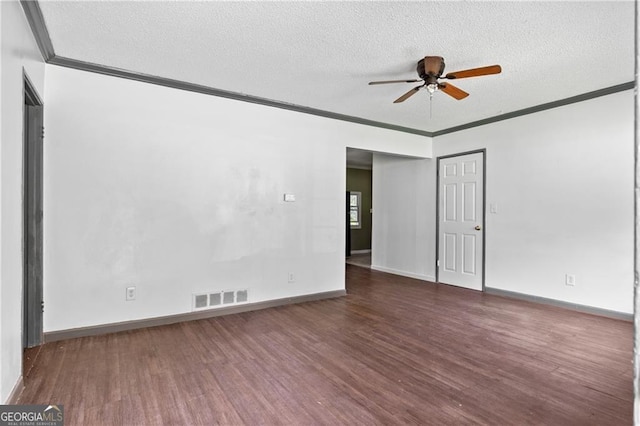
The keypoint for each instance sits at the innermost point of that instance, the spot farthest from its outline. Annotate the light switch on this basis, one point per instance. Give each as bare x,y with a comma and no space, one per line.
493,208
290,198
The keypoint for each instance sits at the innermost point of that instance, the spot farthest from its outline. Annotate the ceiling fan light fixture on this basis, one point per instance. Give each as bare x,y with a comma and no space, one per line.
432,88
430,70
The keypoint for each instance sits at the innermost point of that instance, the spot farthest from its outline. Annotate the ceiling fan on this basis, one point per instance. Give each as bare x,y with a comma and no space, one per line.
430,70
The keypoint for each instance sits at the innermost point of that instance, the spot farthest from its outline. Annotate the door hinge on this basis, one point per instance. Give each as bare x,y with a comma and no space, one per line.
42,305
438,263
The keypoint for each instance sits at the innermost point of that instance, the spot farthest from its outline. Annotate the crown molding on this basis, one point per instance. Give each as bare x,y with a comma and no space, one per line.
38,27
197,88
550,105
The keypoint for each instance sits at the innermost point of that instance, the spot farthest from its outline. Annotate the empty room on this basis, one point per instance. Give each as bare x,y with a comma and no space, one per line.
176,246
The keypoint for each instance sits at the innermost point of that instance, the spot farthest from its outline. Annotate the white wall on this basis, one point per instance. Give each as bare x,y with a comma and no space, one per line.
403,206
563,183
18,51
179,193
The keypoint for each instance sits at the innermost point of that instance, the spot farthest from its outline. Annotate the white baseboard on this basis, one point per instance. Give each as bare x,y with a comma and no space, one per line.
360,251
14,395
562,304
96,330
404,273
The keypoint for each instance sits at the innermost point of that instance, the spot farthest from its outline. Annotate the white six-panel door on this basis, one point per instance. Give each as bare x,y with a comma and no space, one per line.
461,218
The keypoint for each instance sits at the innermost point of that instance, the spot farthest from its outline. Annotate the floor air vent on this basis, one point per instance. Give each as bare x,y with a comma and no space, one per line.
200,301
228,297
217,299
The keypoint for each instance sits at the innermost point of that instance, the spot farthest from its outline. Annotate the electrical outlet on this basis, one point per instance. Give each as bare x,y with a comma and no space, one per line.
292,278
570,279
131,293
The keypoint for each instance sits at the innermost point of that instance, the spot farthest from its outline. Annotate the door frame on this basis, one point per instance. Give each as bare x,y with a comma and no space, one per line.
482,151
32,308
348,226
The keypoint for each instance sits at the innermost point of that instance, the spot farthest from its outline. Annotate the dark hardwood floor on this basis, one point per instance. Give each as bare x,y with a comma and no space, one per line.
394,351
29,357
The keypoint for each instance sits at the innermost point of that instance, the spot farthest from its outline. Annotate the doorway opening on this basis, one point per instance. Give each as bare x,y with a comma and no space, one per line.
32,327
359,207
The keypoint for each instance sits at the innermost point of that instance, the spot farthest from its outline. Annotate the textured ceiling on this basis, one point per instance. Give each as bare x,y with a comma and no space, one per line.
322,54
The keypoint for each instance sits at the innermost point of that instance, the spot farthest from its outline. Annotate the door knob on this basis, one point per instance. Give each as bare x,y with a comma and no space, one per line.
478,228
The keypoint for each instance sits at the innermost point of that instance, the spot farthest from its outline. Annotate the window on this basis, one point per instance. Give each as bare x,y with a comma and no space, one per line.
355,210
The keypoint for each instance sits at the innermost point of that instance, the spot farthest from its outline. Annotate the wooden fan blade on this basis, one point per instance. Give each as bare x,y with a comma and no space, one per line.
407,95
433,65
392,81
452,91
474,72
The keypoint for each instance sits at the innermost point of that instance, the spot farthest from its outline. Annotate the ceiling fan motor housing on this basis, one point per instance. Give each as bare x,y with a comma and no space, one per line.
430,68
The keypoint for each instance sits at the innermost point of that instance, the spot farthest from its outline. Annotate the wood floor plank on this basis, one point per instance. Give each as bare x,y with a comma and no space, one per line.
393,351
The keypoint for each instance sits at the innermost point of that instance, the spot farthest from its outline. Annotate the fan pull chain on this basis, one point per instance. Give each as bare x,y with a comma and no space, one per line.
430,104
